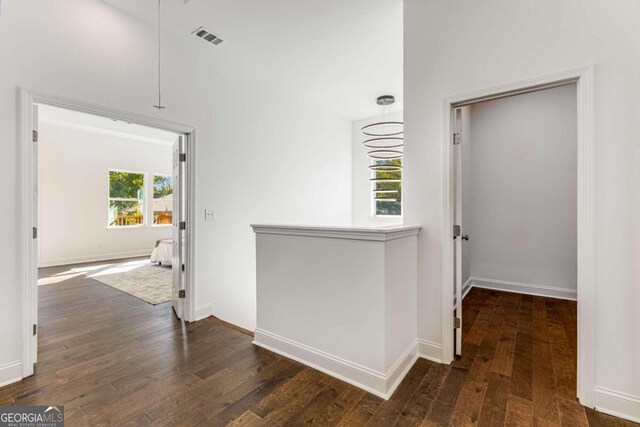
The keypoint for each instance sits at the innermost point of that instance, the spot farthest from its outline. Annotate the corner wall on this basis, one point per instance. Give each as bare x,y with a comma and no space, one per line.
504,42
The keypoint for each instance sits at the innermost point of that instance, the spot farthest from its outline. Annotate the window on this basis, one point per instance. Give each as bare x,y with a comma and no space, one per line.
162,199
126,198
387,190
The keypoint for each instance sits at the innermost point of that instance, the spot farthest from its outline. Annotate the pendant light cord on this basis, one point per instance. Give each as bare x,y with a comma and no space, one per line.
159,59
159,106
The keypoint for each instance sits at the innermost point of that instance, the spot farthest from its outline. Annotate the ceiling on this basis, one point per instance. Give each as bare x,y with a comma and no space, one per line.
341,54
77,119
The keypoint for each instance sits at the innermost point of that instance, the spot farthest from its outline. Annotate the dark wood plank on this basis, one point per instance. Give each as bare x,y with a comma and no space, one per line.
248,419
563,357
362,412
519,412
337,410
113,359
422,401
241,398
502,362
545,400
389,411
298,400
442,410
310,414
285,392
522,376
494,407
598,419
572,413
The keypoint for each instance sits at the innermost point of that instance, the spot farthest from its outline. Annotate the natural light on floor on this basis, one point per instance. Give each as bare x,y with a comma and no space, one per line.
119,268
93,271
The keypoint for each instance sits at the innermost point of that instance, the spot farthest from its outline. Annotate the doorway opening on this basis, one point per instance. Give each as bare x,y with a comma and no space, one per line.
520,208
108,201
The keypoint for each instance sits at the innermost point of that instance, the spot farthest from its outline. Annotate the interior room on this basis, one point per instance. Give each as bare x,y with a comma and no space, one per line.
518,196
362,212
105,203
515,207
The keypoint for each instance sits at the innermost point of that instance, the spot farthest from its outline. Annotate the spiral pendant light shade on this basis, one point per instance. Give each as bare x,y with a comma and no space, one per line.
385,138
384,142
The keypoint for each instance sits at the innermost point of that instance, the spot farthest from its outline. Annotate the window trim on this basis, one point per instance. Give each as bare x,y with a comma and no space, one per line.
124,199
372,196
153,175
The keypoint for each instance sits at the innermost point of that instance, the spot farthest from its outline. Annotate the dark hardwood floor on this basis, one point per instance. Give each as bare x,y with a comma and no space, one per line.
113,359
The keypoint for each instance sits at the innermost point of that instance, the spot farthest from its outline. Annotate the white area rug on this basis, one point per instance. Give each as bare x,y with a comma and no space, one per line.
149,282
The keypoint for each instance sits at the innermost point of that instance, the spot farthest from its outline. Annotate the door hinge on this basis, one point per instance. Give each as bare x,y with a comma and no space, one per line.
457,138
456,231
183,157
458,323
35,232
182,225
182,293
182,267
35,329
35,136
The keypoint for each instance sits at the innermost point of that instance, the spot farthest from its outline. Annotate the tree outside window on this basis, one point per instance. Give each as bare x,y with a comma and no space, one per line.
126,198
162,199
388,195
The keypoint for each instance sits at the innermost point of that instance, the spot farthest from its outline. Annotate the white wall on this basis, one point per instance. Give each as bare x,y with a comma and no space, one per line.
73,190
521,186
265,154
501,42
361,210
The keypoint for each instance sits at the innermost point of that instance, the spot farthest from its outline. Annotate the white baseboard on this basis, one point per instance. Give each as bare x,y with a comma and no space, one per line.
617,404
378,383
523,288
466,287
430,350
10,372
400,368
93,258
203,311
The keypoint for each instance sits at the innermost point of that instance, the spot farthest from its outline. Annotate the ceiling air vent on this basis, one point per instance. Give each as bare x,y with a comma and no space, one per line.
206,35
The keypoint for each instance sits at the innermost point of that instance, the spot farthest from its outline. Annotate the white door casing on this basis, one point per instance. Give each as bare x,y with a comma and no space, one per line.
457,166
35,217
177,233
584,79
28,169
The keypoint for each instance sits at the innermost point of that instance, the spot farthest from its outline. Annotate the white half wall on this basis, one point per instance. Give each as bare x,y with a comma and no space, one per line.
341,300
503,42
74,191
520,192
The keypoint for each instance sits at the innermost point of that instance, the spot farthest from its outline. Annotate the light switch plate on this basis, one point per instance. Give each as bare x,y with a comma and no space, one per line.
209,215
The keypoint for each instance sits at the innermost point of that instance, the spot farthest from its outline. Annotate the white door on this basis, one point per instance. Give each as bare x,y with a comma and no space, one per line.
179,233
458,232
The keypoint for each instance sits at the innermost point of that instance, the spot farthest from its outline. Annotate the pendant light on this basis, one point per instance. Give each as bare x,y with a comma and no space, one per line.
384,142
385,138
